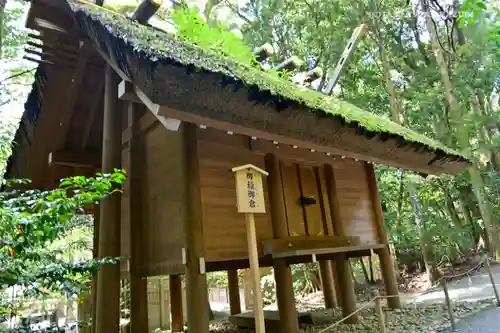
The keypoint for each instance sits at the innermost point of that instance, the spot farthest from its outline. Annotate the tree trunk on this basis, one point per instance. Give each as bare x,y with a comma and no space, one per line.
461,135
396,113
3,3
426,251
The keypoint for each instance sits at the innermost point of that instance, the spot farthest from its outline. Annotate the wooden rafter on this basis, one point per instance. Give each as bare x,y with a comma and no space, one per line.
67,114
75,159
92,114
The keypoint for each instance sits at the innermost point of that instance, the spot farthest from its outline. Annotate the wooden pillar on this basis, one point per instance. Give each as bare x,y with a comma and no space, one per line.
95,254
175,286
338,289
282,273
196,283
234,292
386,260
328,287
344,274
108,277
136,177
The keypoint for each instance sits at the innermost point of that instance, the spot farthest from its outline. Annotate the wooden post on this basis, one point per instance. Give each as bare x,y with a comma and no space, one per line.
138,285
344,274
108,277
196,282
488,267
386,260
250,200
175,286
448,305
95,255
338,288
380,312
234,292
328,287
255,274
282,273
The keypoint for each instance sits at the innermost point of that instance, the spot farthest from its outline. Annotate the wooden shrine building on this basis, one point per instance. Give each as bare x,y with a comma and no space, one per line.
111,92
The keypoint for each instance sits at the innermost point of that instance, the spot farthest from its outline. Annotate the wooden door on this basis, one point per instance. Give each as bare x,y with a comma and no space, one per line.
305,200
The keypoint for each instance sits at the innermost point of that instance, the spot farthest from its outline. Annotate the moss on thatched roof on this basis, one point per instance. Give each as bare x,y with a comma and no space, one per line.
159,45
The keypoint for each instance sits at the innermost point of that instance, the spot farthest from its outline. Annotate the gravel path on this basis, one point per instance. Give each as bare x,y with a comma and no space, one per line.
486,321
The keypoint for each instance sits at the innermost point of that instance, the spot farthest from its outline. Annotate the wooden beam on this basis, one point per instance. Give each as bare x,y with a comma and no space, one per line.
127,91
386,260
342,265
146,10
73,159
348,51
282,272
196,283
147,122
69,109
108,286
300,243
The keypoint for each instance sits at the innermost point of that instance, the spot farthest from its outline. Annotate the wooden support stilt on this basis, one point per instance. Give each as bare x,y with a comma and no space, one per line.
175,286
138,285
282,273
95,254
234,292
386,260
347,294
196,283
325,270
338,289
108,285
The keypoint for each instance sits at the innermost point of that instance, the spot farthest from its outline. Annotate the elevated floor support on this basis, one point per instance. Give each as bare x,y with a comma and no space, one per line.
176,312
196,283
108,284
386,260
327,284
136,174
234,292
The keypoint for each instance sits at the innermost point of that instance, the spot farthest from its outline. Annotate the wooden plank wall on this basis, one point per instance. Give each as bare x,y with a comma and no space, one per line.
355,202
224,227
163,207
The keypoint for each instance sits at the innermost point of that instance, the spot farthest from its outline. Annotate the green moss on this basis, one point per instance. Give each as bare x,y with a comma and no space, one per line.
218,57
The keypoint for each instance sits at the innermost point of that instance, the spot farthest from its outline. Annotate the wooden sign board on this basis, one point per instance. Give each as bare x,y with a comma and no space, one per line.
249,189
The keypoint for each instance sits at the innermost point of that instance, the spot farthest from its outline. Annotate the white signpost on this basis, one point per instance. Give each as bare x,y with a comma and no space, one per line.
250,200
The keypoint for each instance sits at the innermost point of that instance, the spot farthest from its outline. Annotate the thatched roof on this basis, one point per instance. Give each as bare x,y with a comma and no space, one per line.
208,83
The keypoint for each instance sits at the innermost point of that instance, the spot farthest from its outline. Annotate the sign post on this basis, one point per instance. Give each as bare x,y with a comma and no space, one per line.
250,200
